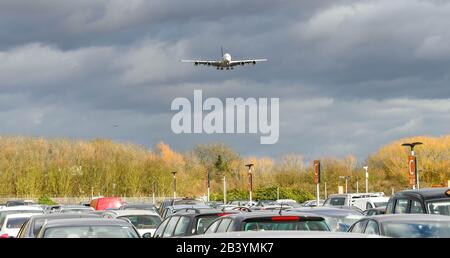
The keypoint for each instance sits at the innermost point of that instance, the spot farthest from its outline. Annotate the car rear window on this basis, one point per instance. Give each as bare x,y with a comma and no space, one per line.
203,223
299,225
339,201
16,222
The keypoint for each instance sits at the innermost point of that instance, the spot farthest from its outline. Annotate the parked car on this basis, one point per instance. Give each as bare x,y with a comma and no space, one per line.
178,201
375,211
75,209
103,203
139,206
363,201
169,210
339,218
13,203
312,203
33,225
268,221
12,223
404,226
430,201
88,228
145,221
188,222
18,210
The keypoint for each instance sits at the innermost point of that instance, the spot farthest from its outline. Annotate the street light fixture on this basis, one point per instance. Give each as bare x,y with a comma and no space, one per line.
174,184
250,179
413,160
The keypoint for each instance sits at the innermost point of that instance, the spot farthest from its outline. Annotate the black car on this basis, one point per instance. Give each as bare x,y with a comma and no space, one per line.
34,224
267,221
429,201
139,206
88,228
178,201
187,223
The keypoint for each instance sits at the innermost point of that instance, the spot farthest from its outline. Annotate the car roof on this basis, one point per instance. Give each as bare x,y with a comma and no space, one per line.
22,208
409,217
285,234
263,214
201,212
187,206
65,216
133,212
20,215
86,222
76,207
327,209
426,193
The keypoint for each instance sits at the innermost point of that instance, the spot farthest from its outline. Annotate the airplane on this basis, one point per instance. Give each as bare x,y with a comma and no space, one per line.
225,63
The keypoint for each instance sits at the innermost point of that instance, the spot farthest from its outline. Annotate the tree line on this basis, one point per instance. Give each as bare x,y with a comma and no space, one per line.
34,167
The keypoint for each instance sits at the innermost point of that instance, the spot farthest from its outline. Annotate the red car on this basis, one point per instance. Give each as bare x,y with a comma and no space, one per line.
104,203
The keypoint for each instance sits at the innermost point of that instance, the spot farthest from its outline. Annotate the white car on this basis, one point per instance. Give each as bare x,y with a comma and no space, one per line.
350,199
18,210
145,221
12,223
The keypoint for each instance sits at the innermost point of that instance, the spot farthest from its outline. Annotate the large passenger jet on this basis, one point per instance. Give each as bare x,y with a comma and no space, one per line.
226,62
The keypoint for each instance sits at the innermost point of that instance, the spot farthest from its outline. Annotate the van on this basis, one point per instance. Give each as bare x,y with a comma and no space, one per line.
361,200
104,203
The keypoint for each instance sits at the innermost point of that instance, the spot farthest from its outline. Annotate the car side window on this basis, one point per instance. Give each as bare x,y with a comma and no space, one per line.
359,226
160,229
368,206
182,226
372,228
223,226
416,207
171,226
401,206
212,227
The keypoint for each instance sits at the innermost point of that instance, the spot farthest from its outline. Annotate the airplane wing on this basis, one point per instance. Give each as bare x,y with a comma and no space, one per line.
201,62
244,62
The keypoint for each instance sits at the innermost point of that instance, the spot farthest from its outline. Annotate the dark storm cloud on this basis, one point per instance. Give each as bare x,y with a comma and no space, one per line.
350,75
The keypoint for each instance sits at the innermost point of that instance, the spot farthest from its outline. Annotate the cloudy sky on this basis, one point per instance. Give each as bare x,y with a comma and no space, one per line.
351,75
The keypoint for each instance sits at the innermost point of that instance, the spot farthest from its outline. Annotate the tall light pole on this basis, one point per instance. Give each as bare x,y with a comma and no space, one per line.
208,184
250,180
346,181
174,184
413,172
366,168
224,190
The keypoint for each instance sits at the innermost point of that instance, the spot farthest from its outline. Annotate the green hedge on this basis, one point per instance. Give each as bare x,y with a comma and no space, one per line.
268,193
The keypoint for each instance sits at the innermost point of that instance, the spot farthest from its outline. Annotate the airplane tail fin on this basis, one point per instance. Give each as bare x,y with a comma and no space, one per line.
221,49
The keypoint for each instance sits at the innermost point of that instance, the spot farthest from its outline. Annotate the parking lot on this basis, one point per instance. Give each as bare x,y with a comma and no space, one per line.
423,213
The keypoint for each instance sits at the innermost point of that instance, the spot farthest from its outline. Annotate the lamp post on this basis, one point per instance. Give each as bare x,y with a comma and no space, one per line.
250,180
208,184
346,180
174,184
366,168
413,164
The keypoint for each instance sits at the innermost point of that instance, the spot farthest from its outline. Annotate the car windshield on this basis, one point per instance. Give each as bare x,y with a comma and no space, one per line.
91,232
337,201
380,204
441,207
143,221
417,229
285,225
203,223
16,222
